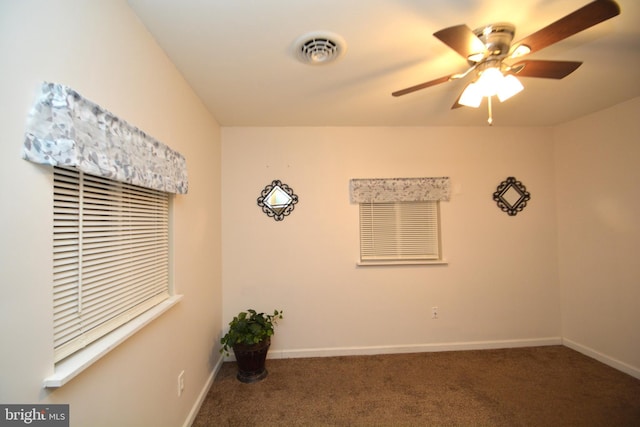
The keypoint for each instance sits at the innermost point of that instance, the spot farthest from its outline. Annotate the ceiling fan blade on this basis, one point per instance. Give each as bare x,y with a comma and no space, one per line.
461,39
544,69
583,18
423,85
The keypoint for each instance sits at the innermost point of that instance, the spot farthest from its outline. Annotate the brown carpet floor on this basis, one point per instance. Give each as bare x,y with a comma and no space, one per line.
538,386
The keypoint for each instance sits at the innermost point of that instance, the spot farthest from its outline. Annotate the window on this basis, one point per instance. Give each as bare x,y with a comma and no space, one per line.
400,232
110,256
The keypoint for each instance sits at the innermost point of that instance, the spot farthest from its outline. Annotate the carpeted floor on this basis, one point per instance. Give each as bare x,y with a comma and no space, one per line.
538,386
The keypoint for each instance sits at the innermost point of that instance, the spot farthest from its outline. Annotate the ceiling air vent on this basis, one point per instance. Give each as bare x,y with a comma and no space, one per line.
319,48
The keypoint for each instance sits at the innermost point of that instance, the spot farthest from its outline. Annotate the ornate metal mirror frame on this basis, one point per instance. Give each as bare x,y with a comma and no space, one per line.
277,200
511,196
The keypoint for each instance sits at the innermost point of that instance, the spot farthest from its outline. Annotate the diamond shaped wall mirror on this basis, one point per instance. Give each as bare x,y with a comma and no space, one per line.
511,196
277,200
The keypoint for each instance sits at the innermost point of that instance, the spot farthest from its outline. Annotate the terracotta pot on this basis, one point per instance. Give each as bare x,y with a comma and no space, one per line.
251,361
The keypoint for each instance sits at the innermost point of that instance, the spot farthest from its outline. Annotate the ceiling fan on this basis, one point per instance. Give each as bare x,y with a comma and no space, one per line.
487,50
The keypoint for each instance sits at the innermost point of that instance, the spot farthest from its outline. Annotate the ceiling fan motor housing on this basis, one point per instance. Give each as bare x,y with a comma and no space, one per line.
497,38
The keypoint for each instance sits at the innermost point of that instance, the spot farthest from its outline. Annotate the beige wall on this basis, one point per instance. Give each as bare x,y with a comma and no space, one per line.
501,281
504,284
599,234
101,49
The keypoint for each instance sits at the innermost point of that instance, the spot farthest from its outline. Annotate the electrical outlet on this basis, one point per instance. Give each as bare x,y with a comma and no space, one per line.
180,383
434,312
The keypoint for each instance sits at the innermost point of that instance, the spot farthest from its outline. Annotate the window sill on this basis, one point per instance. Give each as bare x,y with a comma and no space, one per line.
68,368
392,263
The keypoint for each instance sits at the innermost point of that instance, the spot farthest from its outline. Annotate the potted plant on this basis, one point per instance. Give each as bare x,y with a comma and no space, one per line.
249,336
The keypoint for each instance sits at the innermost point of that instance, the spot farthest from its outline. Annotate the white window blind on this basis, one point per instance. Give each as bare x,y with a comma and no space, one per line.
110,256
399,231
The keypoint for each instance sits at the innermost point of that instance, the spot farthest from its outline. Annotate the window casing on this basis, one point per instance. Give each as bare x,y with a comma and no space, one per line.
110,256
400,232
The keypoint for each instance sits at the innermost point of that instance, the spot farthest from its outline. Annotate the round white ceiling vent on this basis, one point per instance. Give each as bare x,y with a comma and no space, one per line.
319,48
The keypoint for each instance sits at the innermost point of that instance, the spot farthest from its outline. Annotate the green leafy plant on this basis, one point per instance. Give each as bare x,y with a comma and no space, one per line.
249,327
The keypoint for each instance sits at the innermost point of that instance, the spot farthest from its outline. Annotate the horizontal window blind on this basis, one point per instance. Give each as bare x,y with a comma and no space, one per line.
110,256
399,231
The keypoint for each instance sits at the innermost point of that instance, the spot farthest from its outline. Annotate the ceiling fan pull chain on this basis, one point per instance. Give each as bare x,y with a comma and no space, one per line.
490,119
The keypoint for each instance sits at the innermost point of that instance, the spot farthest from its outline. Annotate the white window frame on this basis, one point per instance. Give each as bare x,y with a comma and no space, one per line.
400,233
111,242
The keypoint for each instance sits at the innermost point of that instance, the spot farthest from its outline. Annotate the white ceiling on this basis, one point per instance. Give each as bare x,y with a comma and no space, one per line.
237,55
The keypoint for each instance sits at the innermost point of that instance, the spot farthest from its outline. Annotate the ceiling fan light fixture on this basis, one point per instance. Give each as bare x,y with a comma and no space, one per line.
471,96
510,86
490,80
490,83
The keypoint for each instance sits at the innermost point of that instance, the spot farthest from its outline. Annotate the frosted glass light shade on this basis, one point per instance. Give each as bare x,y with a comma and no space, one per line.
471,96
509,87
491,82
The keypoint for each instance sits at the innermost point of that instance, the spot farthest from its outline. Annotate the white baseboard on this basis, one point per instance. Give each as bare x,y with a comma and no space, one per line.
416,348
203,394
614,363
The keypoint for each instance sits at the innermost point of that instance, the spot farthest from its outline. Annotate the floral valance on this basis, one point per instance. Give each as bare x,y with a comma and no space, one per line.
65,129
381,190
